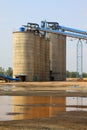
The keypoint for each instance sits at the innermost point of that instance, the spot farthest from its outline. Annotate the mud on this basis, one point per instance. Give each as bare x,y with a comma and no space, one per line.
75,119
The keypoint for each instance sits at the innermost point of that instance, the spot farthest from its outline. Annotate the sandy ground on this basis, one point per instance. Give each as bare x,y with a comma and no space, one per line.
66,121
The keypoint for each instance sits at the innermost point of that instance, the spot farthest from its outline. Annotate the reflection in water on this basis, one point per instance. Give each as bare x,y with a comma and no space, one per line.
76,103
5,107
36,107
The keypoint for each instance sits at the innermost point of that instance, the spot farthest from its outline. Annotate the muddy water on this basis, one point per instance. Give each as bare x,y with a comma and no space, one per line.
37,107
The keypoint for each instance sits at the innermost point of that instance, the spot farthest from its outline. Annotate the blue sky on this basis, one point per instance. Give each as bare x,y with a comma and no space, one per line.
71,13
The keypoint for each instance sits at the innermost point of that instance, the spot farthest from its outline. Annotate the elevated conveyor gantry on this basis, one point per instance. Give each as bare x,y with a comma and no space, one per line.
54,27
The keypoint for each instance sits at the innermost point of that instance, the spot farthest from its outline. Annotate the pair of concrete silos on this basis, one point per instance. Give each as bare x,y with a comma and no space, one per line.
37,58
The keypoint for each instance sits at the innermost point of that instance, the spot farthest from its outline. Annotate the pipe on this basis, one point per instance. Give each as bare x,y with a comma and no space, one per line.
72,30
33,24
63,28
80,36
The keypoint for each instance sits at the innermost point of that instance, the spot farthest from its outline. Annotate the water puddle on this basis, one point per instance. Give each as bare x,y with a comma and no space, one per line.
75,86
76,103
8,88
37,107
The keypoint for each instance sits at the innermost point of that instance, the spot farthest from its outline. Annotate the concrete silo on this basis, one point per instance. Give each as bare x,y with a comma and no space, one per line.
30,56
57,56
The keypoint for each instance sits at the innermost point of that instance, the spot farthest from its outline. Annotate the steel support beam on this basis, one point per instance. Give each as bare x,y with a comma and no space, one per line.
79,52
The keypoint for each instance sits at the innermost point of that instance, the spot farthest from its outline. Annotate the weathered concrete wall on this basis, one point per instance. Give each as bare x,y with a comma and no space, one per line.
37,58
30,56
57,56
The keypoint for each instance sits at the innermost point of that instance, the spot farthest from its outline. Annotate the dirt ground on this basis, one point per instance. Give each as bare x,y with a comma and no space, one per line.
67,121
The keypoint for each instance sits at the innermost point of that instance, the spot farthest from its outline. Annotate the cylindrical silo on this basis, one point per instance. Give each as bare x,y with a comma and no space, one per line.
23,59
27,56
57,57
44,58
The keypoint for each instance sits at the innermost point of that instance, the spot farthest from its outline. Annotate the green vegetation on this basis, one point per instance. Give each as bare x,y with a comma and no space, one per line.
73,74
8,71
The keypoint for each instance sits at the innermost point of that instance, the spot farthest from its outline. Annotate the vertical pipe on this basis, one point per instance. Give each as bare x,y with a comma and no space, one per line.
79,59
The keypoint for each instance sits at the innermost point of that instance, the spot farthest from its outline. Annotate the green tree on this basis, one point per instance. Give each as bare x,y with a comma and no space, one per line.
2,71
9,71
67,74
84,75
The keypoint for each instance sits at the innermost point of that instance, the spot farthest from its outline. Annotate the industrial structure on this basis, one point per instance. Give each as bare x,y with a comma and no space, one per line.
57,54
39,53
31,57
